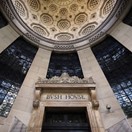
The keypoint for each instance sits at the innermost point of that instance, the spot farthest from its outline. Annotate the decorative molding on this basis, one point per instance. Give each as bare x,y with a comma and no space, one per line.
87,35
63,24
64,36
122,7
40,29
34,4
81,18
32,37
69,47
37,98
95,102
107,7
66,79
93,4
21,9
7,10
87,29
63,96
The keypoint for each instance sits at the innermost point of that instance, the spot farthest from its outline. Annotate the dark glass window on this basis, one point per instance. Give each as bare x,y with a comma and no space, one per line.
14,64
116,63
128,18
3,21
64,62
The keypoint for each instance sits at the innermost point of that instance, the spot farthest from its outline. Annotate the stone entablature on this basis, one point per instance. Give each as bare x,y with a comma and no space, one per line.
66,88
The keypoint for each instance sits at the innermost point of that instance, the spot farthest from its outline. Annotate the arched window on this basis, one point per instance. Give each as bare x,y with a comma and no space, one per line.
116,63
14,64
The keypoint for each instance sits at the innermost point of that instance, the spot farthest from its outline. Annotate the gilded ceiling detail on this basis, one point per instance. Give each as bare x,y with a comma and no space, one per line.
63,20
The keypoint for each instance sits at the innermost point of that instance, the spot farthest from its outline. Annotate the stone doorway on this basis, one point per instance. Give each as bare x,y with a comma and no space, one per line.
63,119
65,92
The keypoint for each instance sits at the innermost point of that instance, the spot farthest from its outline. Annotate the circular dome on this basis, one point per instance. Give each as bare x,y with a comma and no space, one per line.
64,24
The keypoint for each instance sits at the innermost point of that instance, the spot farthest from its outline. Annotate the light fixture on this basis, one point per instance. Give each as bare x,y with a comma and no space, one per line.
108,107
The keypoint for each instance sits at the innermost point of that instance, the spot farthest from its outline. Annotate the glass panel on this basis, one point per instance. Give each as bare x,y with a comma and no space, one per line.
64,62
3,21
128,18
116,63
14,64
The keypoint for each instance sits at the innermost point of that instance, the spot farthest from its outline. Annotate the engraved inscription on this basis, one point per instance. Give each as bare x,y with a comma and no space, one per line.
65,97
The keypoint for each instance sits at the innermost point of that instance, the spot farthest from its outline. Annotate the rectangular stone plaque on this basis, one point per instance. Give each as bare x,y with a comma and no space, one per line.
62,96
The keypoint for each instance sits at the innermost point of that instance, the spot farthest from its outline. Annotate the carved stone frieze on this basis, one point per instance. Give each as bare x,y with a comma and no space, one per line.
65,78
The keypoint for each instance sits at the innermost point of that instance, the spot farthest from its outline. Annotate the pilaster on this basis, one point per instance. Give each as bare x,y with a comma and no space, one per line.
122,33
7,36
105,94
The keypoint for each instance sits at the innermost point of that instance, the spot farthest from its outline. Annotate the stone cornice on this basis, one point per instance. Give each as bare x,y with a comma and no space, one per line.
65,79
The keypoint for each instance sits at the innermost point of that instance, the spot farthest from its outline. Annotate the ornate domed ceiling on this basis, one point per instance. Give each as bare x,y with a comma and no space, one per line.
66,24
63,20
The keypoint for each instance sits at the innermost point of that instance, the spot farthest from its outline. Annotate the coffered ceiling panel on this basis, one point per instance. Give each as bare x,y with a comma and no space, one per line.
64,22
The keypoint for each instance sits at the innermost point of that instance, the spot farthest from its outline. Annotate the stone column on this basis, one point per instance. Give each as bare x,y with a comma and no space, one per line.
105,94
83,57
23,105
7,36
123,33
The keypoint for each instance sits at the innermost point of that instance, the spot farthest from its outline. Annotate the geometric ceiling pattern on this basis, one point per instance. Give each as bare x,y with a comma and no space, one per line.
63,20
64,25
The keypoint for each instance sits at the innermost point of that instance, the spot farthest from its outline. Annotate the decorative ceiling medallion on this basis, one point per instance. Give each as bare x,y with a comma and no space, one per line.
63,12
74,7
93,4
65,78
64,36
53,8
63,2
21,8
108,6
81,18
40,30
34,4
63,24
46,19
87,29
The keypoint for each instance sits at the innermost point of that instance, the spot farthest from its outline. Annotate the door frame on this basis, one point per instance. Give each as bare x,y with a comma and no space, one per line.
83,95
